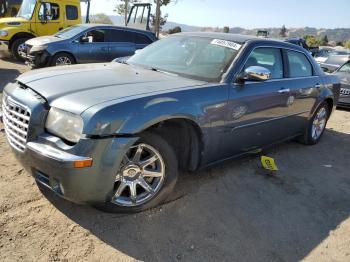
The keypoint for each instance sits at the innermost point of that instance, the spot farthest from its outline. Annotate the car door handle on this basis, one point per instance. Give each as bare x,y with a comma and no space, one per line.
284,90
104,49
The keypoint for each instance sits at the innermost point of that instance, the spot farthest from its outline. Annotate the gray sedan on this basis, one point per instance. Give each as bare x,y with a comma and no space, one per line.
116,135
86,43
344,75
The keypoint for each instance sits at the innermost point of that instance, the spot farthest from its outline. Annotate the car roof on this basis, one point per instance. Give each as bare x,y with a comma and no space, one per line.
241,38
115,27
223,36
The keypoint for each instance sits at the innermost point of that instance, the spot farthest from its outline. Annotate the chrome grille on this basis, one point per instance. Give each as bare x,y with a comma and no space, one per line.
345,91
16,122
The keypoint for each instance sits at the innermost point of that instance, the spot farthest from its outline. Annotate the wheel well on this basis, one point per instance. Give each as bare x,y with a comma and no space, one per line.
18,36
185,137
64,52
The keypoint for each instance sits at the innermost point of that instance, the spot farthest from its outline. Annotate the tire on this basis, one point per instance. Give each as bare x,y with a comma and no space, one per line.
61,59
310,137
15,48
148,141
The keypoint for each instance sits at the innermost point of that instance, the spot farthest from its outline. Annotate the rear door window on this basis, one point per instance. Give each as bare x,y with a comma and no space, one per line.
299,65
270,58
120,36
142,39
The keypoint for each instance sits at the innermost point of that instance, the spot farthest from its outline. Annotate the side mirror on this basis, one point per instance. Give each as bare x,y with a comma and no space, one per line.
254,73
325,69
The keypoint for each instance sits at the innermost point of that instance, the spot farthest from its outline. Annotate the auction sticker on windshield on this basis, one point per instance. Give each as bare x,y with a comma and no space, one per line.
225,43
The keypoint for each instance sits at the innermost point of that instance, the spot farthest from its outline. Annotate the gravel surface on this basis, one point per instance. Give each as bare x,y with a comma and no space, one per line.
232,212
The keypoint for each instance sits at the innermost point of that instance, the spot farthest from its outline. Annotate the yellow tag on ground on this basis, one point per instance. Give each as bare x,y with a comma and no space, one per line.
269,163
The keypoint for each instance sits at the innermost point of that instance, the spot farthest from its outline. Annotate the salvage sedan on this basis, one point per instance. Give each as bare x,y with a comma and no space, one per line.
344,75
87,43
116,135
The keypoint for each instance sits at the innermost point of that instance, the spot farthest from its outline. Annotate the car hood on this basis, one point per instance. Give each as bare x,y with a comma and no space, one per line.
76,88
43,40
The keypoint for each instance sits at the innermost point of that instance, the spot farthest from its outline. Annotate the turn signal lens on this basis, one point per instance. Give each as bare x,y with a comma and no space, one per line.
83,163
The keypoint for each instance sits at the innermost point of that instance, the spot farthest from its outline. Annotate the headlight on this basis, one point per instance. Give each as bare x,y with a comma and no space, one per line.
64,124
3,33
38,48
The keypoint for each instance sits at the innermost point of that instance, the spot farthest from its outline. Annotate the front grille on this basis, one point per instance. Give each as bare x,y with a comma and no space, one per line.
344,91
16,122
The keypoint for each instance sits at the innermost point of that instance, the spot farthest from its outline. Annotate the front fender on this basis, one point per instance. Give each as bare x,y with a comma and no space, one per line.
13,31
134,116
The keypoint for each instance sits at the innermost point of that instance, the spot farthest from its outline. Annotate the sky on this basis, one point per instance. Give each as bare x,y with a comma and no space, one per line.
250,13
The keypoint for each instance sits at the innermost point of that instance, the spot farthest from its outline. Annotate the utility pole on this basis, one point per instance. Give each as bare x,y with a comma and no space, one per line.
157,22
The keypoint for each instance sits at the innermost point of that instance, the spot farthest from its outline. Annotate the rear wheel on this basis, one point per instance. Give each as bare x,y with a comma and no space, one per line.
18,49
62,59
317,125
145,178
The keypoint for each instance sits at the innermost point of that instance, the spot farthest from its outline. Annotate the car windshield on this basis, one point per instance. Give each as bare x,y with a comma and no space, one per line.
193,57
70,31
345,68
27,9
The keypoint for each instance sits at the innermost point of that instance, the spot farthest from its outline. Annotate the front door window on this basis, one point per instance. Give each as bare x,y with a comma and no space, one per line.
49,12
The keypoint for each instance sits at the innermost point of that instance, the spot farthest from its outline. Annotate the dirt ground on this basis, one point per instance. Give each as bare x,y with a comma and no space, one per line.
231,212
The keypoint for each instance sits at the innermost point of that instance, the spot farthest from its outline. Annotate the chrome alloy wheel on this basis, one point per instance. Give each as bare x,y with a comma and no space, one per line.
63,60
140,176
319,123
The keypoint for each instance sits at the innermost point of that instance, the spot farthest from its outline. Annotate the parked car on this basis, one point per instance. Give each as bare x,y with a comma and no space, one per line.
323,53
86,43
262,33
344,74
333,62
38,18
115,135
301,42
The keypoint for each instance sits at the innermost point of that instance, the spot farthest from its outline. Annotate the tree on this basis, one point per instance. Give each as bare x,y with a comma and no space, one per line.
347,44
226,29
312,40
176,29
123,9
101,19
162,21
283,32
157,20
324,40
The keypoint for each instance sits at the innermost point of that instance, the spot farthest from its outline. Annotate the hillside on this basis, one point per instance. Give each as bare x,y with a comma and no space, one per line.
338,34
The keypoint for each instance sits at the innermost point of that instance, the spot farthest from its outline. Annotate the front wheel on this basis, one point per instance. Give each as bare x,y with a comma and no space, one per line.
62,59
145,178
317,125
18,49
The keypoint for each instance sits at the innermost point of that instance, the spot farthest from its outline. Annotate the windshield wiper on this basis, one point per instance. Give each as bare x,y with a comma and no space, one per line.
161,71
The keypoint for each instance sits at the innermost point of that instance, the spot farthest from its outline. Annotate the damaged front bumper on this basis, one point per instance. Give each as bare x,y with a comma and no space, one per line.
37,59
